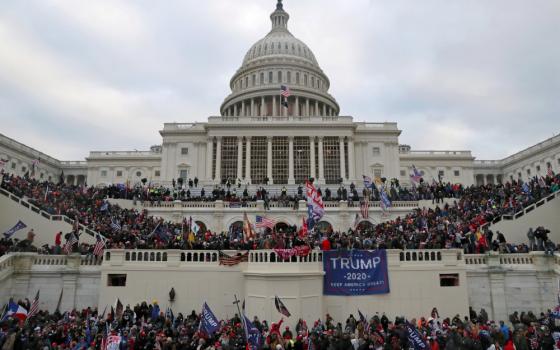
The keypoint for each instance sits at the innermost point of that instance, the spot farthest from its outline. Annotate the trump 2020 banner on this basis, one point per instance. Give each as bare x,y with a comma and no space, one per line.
356,272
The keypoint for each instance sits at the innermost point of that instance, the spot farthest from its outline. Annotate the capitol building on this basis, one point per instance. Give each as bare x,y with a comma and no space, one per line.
277,128
266,135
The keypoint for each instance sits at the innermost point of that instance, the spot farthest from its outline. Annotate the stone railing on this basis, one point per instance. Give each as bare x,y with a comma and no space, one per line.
48,216
521,260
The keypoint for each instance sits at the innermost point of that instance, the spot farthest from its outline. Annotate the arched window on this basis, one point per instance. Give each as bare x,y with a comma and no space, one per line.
254,82
305,79
297,78
289,77
312,81
246,82
270,77
261,79
279,76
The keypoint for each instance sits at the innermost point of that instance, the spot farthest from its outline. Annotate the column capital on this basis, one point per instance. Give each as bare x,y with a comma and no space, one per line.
291,138
320,138
269,138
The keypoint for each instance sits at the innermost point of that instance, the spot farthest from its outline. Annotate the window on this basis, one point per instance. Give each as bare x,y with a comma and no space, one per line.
41,176
376,173
229,158
305,79
270,77
138,173
331,155
13,165
246,82
538,168
297,78
456,173
422,172
157,173
184,151
528,171
280,160
441,173
23,169
261,79
103,173
312,81
254,80
301,159
116,280
258,162
548,165
119,173
376,151
558,160
449,280
279,76
289,77
519,175
403,172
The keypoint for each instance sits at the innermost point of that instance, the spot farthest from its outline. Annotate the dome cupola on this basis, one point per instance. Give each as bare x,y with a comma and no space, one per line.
279,59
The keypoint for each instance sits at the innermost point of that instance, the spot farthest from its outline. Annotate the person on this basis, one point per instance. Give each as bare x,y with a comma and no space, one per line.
531,238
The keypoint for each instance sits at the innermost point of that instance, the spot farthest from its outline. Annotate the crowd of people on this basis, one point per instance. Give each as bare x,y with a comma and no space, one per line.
147,326
460,224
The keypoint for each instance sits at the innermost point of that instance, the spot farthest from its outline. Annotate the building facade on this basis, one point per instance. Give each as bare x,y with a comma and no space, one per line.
280,126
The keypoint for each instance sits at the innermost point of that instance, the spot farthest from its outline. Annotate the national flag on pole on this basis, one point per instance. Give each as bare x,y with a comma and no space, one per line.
34,306
415,176
72,240
104,206
15,311
314,202
208,322
525,188
280,307
263,221
18,226
356,221
194,227
99,246
248,232
119,308
364,208
285,91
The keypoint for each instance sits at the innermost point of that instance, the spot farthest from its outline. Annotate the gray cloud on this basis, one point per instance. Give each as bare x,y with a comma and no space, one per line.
81,75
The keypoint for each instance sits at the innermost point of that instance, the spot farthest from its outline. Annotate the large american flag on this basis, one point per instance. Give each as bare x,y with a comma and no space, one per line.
99,246
229,260
263,221
34,306
285,91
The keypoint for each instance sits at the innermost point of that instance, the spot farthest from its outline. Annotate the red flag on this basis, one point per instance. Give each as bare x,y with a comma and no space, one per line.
303,231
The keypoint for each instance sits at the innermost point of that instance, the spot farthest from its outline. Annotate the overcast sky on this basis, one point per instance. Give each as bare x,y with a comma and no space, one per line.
82,75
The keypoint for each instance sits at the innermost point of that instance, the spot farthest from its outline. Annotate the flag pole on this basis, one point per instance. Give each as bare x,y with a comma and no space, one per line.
242,316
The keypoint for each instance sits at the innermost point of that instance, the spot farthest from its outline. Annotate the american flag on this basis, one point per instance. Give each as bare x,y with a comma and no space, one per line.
3,162
99,246
70,243
364,208
285,91
263,221
34,306
229,260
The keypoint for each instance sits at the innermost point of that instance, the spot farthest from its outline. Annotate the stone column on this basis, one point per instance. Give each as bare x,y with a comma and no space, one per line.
351,161
243,114
296,107
269,160
342,158
312,157
218,177
284,109
248,159
239,157
252,107
317,108
307,107
321,161
209,144
273,106
324,109
291,179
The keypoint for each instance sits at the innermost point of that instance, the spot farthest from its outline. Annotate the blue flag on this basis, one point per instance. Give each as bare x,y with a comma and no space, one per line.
525,188
254,338
104,206
362,317
19,226
415,339
208,322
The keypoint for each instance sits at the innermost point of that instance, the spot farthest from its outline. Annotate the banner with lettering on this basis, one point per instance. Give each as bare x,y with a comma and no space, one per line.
355,272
